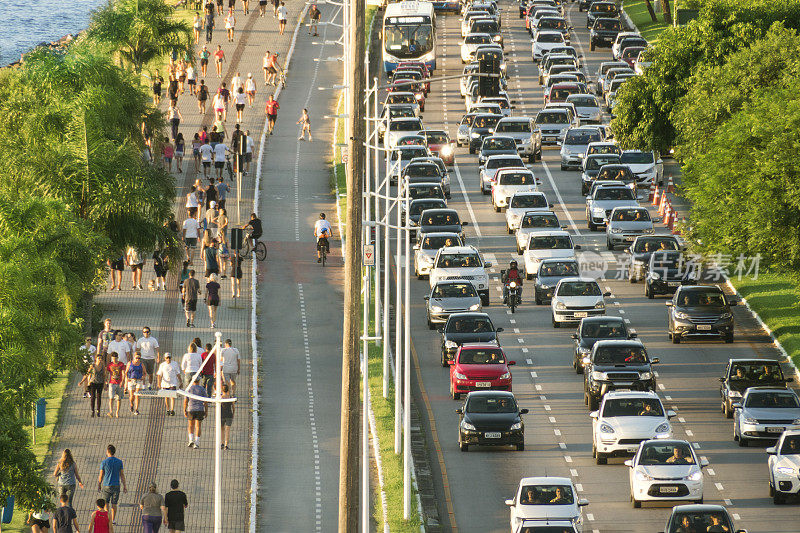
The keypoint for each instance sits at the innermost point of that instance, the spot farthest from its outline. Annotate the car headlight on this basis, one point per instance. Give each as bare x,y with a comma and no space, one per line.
600,305
641,476
459,375
734,394
418,96
474,307
598,376
655,275
616,230
446,150
663,428
785,470
450,345
512,285
695,476
584,351
605,428
507,375
474,135
518,425
751,421
681,315
467,426
725,316
436,309
598,211
560,305
545,287
497,38
646,375
649,231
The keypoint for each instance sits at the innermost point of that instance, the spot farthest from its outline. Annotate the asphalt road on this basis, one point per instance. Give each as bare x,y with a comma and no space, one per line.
472,486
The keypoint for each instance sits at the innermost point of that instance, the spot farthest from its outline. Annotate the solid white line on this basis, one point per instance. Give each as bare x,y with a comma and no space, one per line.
466,199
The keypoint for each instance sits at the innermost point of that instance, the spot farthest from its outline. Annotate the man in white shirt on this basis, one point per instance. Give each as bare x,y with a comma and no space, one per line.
219,157
236,82
148,347
283,14
169,378
251,144
230,363
191,228
121,347
322,231
206,156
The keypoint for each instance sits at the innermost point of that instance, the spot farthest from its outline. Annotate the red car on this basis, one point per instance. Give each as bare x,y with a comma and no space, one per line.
418,64
440,145
560,91
630,54
412,86
413,73
479,367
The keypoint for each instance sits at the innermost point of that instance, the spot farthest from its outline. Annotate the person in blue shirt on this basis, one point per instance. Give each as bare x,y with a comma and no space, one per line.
108,482
195,411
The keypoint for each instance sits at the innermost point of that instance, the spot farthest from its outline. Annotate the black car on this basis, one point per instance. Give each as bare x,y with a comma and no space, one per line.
702,517
591,167
599,10
496,145
441,219
491,418
547,277
617,364
420,172
617,172
700,311
416,208
593,329
604,31
642,248
442,170
584,5
665,273
490,26
465,328
482,125
741,374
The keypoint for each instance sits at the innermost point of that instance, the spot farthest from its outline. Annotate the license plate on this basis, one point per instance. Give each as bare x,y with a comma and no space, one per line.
581,314
669,490
673,283
775,430
630,238
492,435
632,449
483,384
703,327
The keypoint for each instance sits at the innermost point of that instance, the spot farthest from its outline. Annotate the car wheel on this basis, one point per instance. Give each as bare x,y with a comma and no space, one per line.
471,149
510,231
528,276
771,490
444,361
453,394
484,191
485,299
648,291
591,225
419,276
521,447
726,408
777,498
676,339
632,276
609,245
591,46
563,167
578,368
539,154
532,158
743,442
463,447
497,209
541,80
536,297
601,458
519,250
553,320
431,325
729,338
636,503
594,403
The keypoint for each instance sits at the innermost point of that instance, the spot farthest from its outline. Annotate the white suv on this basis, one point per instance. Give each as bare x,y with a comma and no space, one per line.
462,262
552,498
509,181
547,245
624,420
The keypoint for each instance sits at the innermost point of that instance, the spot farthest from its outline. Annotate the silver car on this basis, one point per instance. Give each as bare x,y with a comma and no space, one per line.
587,106
604,199
553,124
462,134
448,297
764,413
627,223
525,133
426,247
575,143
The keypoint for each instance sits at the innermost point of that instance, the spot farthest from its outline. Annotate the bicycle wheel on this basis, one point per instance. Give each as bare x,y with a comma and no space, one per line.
261,251
324,257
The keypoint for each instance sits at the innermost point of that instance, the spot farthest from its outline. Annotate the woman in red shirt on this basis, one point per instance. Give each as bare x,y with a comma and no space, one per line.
272,112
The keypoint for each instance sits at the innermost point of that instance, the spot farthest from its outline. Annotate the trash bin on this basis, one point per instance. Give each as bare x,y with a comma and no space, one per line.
41,409
8,510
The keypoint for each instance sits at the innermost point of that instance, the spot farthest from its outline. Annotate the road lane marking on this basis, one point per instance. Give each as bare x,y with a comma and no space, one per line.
524,350
520,340
579,487
534,375
719,486
538,387
546,407
590,517
727,502
466,199
681,420
668,398
567,458
711,472
557,432
552,419
529,361
573,472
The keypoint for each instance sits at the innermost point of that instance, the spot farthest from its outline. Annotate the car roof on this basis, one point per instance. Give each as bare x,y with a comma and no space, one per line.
515,119
500,156
441,210
751,360
559,260
574,278
514,170
602,318
544,480
548,32
441,234
459,249
620,342
477,345
698,288
699,507
554,109
451,282
553,233
769,389
631,394
541,213
480,33
466,314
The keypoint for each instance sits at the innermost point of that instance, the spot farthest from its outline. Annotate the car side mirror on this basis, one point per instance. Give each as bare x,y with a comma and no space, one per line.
594,414
498,330
668,304
510,363
580,56
426,297
627,250
629,463
465,223
789,380
510,503
655,361
607,294
574,336
771,450
488,264
633,335
577,247
523,411
736,405
459,411
671,414
583,502
703,462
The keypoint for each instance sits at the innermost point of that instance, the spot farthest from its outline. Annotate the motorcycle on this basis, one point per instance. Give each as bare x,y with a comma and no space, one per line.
513,292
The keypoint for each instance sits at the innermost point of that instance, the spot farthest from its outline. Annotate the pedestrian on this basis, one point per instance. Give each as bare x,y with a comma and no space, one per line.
95,378
246,6
305,124
220,151
219,7
283,15
130,338
218,103
248,156
39,520
108,482
148,347
223,189
272,68
175,504
275,5
117,266
219,59
196,144
206,157
174,117
197,23
172,89
191,290
250,88
120,346
211,200
115,375
105,336
136,262
65,517
230,24
236,274
191,229
224,256
99,521
222,228
151,505
226,417
209,27
212,290
200,191
88,351
180,149
161,267
135,376
240,100
158,81
314,15
204,56
191,79
190,364
195,411
236,82
209,366
210,222
169,378
262,7
272,112
202,97
181,74
67,476
265,66
231,364
167,153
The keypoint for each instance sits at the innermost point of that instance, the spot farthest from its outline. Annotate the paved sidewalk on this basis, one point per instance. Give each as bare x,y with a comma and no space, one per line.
153,445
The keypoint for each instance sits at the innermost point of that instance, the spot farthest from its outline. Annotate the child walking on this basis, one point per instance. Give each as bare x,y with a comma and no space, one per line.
305,122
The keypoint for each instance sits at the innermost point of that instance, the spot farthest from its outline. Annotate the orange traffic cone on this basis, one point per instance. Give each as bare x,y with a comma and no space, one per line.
662,204
651,194
670,186
671,217
656,196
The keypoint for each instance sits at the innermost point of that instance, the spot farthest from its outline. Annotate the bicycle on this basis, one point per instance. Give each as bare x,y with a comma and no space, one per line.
322,248
260,250
282,78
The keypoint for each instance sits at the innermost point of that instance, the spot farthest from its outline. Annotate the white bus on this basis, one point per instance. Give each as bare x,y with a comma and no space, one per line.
409,33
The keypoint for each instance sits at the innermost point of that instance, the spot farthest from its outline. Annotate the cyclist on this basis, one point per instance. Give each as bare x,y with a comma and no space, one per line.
255,230
322,230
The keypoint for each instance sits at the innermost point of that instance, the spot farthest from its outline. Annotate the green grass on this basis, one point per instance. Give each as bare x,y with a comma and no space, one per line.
637,11
776,299
45,438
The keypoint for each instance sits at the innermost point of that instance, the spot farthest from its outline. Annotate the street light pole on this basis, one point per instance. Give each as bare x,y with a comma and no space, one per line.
218,434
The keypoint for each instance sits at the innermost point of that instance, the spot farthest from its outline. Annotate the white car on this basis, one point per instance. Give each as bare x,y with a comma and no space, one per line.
400,127
544,42
509,181
535,221
470,43
462,134
574,299
426,247
524,202
665,470
587,107
490,167
546,498
764,413
546,245
784,465
525,134
502,101
645,165
461,262
615,50
624,420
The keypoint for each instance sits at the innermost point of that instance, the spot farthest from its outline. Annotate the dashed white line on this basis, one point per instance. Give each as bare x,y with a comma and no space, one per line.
552,419
557,432
534,374
573,472
525,350
567,458
547,408
719,486
529,361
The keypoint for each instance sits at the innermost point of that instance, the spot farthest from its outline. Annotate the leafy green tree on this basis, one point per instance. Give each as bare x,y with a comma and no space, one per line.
21,475
140,30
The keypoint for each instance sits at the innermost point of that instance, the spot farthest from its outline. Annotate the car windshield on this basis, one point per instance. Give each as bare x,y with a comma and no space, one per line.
499,143
525,528
502,102
701,299
701,521
410,153
630,215
487,109
772,400
407,75
603,149
485,121
566,268
405,125
791,445
637,158
614,173
762,372
491,404
613,193
599,7
610,25
411,140
399,112
540,221
618,81
469,325
653,243
552,118
582,101
439,241
632,51
503,162
552,24
485,26
516,178
459,261
454,290
619,355
595,163
528,201
408,40
423,170
468,119
562,94
400,99
549,38
604,330
667,453
418,206
435,137
426,191
550,242
579,288
448,218
478,39
632,407
547,495
513,126
582,137
492,356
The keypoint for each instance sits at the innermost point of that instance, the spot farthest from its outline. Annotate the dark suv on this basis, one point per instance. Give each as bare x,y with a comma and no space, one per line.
617,364
465,328
642,248
593,329
665,273
482,126
700,310
740,374
604,31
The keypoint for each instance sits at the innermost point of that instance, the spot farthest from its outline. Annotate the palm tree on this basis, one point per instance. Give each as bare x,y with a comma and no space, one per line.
140,30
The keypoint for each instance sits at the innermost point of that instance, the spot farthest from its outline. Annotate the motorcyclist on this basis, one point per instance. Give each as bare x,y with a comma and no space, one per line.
512,274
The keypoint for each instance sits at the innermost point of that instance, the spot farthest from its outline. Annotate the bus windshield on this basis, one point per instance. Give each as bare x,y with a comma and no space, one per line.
406,41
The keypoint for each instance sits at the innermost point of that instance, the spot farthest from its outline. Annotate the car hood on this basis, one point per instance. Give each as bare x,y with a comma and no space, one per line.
743,385
621,368
789,460
495,370
508,151
587,110
703,310
611,204
553,512
632,226
639,168
579,301
516,134
455,303
635,426
766,413
559,127
509,189
454,228
484,421
574,148
462,338
668,471
551,281
557,253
